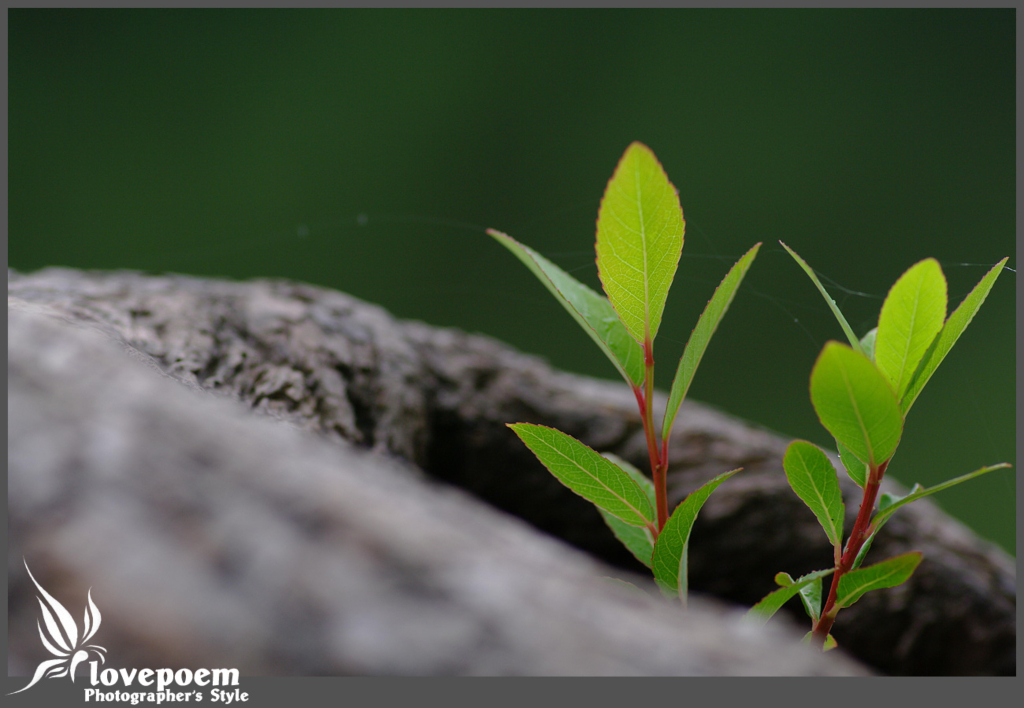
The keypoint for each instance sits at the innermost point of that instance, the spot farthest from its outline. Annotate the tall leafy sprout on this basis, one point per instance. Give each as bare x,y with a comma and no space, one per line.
862,393
640,232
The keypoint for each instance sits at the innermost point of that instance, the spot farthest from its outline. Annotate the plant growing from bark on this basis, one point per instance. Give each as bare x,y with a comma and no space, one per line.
640,229
862,394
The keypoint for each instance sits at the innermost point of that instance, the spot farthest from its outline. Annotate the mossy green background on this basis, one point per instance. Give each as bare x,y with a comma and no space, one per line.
365,150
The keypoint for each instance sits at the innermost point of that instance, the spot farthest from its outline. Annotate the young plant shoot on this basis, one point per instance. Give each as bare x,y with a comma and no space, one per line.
640,230
862,393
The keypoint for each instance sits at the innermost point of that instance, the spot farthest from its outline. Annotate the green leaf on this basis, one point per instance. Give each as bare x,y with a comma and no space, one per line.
887,574
856,469
912,314
702,333
887,511
639,477
854,342
587,473
666,591
670,550
865,547
813,478
639,541
855,403
867,343
773,602
639,239
810,594
591,310
951,331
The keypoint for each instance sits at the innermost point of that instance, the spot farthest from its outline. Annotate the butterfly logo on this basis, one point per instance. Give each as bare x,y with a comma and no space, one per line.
59,635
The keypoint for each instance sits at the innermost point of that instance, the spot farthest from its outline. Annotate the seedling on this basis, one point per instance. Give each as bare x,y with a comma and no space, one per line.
640,231
862,393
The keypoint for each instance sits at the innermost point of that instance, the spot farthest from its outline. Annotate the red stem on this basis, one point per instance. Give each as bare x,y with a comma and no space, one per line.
857,537
652,449
647,414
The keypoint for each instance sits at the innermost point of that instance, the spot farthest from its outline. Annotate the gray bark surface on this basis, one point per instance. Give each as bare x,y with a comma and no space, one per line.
437,401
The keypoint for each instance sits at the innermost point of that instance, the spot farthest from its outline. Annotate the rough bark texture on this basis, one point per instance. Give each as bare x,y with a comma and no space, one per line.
439,399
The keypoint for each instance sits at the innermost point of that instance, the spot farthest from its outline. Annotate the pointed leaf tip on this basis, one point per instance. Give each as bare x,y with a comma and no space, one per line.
671,549
917,492
847,330
640,230
889,504
700,338
591,311
949,334
912,315
887,574
586,473
773,601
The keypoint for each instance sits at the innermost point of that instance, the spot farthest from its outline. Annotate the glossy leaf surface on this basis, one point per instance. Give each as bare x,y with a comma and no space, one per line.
773,602
856,469
887,574
951,331
591,310
639,240
639,541
811,475
587,473
670,550
855,403
810,594
702,333
885,512
912,315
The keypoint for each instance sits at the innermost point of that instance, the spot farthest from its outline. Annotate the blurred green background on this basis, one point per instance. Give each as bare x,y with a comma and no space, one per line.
365,150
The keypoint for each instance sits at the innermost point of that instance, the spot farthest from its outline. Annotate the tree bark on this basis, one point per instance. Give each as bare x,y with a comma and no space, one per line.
439,399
